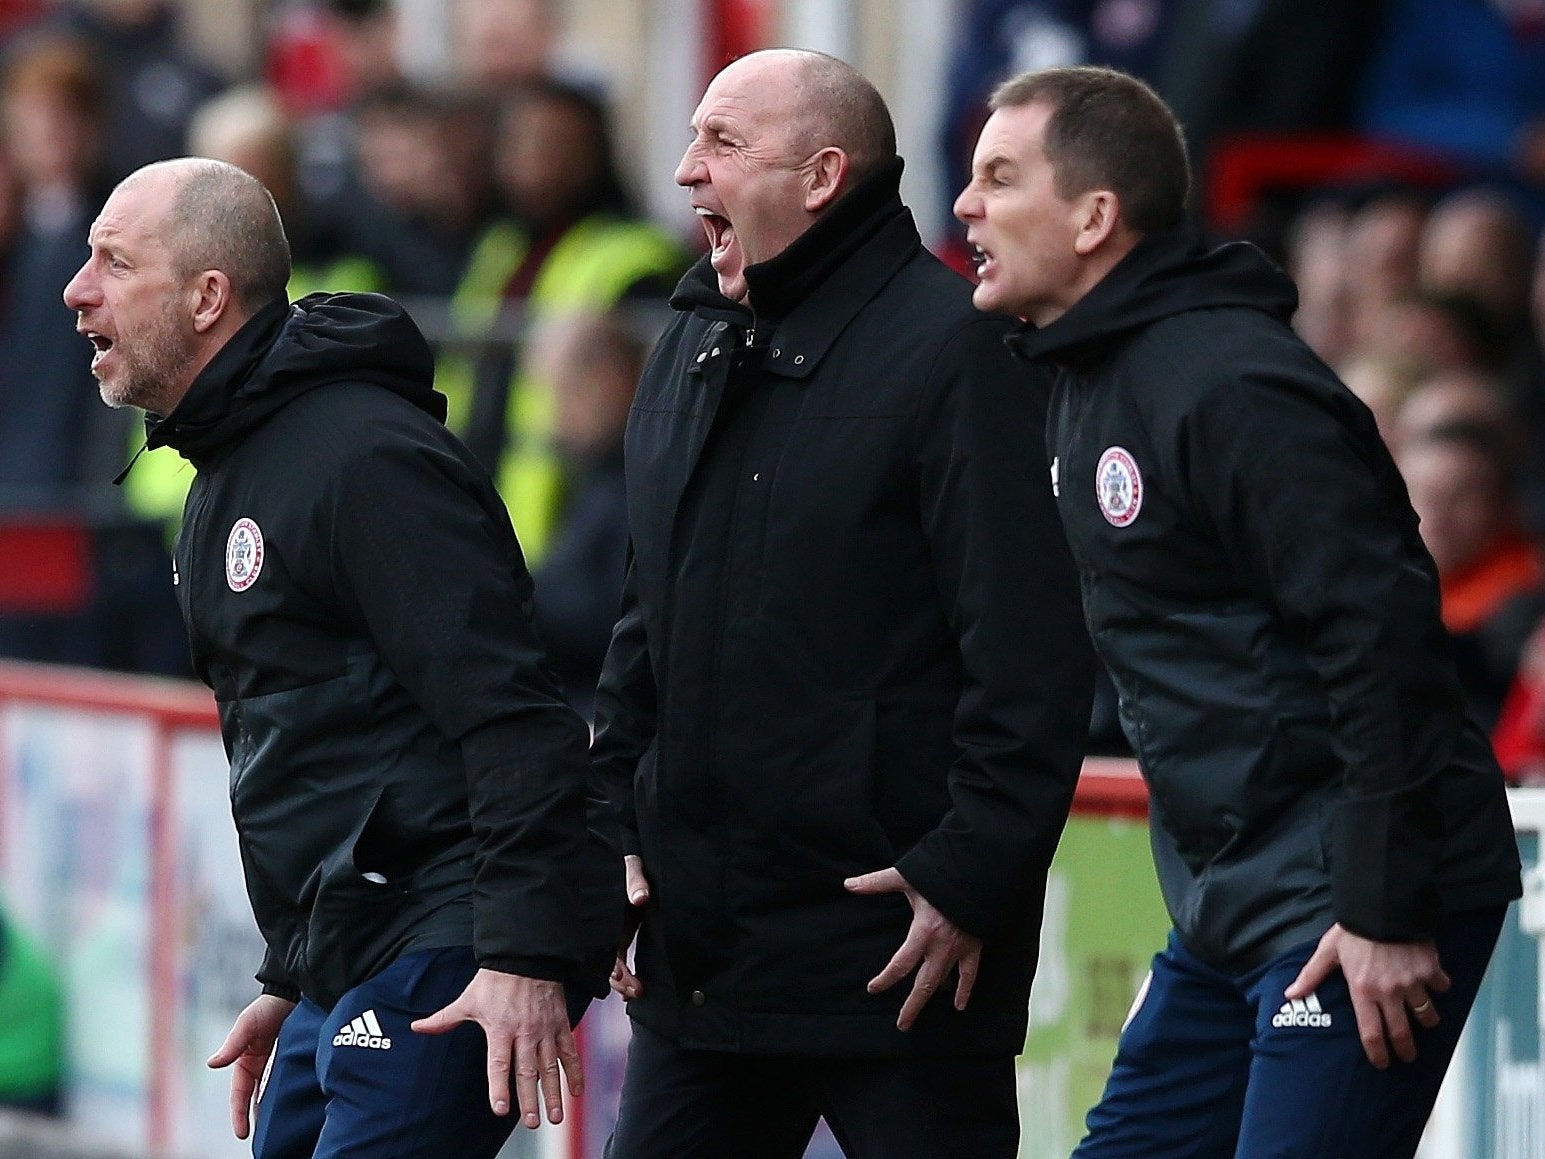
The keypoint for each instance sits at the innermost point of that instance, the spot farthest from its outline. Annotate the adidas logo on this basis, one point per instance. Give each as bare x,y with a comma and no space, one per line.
363,1031
1301,1012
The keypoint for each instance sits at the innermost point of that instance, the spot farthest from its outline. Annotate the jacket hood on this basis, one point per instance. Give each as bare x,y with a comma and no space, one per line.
782,282
285,350
1167,273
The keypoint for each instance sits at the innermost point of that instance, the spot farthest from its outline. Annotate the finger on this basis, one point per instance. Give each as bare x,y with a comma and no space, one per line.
573,1065
241,1102
526,1083
499,1074
1398,1028
624,981
551,1080
902,963
880,881
1370,1029
923,989
1315,971
1423,1010
1439,982
446,1018
231,1049
968,967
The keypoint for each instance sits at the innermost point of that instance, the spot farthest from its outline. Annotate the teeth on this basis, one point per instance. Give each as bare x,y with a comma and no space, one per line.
701,212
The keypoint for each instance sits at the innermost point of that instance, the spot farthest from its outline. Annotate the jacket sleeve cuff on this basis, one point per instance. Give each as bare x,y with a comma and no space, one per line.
281,990
1383,854
960,906
531,966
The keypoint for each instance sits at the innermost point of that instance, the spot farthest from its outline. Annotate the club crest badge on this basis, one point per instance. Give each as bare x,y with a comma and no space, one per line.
1118,487
243,555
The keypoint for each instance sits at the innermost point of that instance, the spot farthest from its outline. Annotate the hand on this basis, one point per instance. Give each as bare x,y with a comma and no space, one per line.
248,1045
935,941
524,1019
1386,979
623,980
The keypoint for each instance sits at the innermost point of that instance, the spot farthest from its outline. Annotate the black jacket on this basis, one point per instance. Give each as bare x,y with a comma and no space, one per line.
404,773
1253,577
850,639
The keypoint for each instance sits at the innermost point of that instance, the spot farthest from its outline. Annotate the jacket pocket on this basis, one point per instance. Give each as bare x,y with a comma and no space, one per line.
351,930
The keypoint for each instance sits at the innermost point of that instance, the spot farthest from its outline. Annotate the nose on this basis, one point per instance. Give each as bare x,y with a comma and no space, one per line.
81,290
689,171
968,205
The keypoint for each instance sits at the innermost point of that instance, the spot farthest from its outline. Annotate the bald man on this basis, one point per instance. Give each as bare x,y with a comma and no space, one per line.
407,783
846,703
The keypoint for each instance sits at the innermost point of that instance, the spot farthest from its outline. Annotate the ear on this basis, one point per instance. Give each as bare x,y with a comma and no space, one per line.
827,172
1100,219
211,299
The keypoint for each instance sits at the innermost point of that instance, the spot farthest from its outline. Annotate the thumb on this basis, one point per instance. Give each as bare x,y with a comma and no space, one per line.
442,1020
1315,971
231,1049
637,882
880,881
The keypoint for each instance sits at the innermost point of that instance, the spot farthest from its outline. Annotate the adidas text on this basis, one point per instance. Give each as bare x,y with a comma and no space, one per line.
1301,1012
363,1031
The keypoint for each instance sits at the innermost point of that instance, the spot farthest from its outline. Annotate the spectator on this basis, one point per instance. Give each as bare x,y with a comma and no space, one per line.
1459,475
502,45
424,177
590,364
1465,397
1380,261
153,85
1476,244
59,455
363,37
1432,330
1316,257
567,239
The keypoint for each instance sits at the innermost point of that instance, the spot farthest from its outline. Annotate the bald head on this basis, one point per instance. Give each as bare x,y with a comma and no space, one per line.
830,103
219,217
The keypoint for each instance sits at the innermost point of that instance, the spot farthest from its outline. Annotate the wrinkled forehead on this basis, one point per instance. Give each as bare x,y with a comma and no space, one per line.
758,94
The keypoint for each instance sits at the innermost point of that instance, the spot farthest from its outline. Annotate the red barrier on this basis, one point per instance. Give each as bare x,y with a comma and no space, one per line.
1247,165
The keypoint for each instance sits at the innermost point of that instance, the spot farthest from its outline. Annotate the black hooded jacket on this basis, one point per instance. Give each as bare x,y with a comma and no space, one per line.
404,772
1253,577
850,640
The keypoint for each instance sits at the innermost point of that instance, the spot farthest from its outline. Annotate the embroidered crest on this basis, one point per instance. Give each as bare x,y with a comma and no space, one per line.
243,555
1118,486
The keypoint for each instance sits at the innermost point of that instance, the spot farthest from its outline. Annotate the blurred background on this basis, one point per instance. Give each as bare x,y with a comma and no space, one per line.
504,168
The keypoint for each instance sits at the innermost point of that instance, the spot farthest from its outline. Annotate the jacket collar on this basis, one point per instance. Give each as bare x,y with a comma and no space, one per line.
1167,273
806,296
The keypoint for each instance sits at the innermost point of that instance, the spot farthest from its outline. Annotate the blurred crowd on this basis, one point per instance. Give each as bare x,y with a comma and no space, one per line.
493,203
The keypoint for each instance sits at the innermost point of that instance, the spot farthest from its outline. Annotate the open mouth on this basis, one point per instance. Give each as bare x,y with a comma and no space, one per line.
721,234
100,344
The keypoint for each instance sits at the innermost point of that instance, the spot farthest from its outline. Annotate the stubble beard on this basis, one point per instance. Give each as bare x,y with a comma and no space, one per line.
149,367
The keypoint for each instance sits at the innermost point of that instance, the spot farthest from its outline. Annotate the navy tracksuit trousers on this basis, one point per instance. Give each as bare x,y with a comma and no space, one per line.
355,1081
1214,1066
